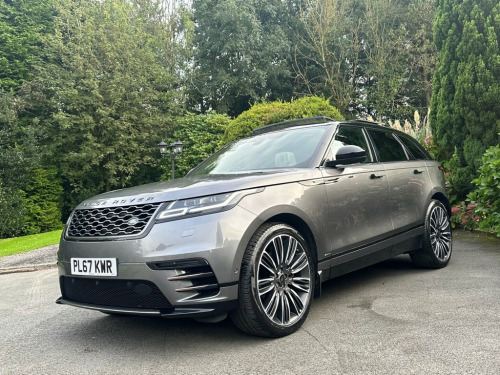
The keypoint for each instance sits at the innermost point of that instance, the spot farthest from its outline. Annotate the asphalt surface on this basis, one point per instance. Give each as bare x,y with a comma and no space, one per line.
387,319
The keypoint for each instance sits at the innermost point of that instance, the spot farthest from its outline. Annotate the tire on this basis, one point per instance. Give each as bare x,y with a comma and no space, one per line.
276,282
437,243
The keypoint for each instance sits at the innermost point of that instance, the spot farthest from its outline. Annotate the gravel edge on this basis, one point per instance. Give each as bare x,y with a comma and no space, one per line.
34,260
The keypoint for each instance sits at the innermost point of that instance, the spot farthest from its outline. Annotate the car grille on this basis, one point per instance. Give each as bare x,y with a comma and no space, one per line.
112,221
140,294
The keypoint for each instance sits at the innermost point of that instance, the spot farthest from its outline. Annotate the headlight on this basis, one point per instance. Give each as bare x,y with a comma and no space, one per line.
204,205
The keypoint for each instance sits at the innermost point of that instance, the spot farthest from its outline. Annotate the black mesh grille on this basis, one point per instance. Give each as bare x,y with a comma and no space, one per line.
138,294
112,221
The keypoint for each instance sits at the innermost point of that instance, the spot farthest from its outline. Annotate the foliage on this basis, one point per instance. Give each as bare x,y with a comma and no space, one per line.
201,136
328,63
465,109
367,56
418,129
17,142
458,178
486,196
18,158
42,200
386,65
265,113
106,111
29,197
11,212
481,210
96,85
241,54
10,246
21,25
463,215
422,54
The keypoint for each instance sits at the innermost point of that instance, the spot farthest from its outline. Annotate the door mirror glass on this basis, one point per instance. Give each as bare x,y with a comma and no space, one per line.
348,154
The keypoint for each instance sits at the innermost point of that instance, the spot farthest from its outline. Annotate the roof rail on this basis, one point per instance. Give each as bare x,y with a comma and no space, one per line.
291,123
368,122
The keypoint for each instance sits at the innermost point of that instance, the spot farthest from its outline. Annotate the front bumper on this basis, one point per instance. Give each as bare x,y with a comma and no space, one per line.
180,312
194,263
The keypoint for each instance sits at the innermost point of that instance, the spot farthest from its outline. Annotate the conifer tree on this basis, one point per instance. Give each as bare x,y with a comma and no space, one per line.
22,23
465,109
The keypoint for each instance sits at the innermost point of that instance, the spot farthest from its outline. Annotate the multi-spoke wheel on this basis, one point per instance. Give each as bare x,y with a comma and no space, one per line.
437,243
276,283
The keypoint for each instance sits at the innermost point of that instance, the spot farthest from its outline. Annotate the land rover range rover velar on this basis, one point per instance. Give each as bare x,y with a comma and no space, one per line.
256,228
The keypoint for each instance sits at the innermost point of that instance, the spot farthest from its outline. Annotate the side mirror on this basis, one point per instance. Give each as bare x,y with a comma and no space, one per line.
349,154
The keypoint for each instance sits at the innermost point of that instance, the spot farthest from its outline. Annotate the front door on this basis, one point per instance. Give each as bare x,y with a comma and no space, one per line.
359,219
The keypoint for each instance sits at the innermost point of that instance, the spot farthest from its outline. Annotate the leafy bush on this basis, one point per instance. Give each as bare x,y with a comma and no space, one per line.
458,179
464,215
42,202
486,196
270,112
11,212
201,136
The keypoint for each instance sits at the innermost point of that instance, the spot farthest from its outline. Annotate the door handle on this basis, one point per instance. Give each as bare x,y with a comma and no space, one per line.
373,176
416,171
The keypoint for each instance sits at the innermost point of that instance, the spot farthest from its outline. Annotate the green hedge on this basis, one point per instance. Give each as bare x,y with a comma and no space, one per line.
42,199
271,112
487,192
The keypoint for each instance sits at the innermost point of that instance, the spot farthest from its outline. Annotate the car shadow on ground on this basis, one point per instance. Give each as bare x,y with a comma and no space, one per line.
118,329
391,269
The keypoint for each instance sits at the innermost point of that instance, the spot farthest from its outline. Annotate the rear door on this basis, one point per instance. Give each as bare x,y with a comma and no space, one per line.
407,175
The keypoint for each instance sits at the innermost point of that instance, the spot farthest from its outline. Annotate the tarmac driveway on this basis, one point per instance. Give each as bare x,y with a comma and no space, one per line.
387,319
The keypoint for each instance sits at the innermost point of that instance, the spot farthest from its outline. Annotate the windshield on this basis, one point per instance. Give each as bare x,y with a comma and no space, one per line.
291,148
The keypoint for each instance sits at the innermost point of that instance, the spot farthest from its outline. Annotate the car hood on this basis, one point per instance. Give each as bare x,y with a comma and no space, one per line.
190,187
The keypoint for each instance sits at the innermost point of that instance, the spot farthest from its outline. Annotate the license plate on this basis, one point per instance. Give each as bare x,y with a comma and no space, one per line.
94,266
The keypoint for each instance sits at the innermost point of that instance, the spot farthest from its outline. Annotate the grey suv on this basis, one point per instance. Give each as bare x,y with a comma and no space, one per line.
256,228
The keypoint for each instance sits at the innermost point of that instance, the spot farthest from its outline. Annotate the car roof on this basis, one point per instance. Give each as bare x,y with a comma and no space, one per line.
292,123
312,121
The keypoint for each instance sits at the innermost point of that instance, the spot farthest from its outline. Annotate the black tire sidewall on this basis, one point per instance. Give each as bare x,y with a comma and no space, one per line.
427,246
263,239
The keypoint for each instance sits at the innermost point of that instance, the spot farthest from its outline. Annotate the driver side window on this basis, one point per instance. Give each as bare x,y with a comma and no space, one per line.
349,135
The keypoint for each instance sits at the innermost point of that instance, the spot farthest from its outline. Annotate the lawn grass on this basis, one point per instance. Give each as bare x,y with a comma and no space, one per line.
17,245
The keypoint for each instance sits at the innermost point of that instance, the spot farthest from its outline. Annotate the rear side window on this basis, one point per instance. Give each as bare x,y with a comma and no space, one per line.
416,150
388,147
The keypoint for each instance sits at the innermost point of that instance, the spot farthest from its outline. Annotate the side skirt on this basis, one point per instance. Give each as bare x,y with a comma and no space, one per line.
362,257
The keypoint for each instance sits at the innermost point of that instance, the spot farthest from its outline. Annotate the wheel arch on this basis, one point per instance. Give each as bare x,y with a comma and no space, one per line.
444,200
302,227
295,218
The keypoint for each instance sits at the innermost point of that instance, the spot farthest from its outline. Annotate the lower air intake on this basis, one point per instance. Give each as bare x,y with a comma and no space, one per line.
139,294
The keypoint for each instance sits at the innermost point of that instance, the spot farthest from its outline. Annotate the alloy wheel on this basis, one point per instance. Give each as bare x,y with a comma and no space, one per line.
440,233
282,281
